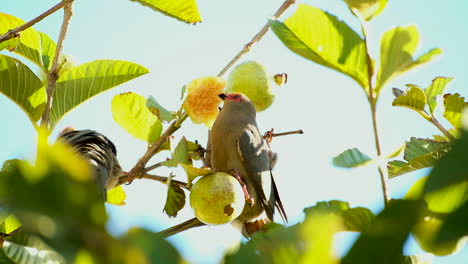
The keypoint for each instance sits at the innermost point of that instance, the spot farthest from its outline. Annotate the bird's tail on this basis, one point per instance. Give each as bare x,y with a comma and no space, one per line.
194,222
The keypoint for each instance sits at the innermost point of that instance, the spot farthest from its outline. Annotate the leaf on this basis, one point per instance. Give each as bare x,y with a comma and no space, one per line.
382,242
420,153
419,146
116,196
180,155
397,48
414,98
451,169
33,45
320,37
159,111
175,200
193,173
445,200
22,86
436,88
454,227
351,158
9,224
454,105
29,248
82,82
354,219
130,112
183,10
153,247
367,8
10,44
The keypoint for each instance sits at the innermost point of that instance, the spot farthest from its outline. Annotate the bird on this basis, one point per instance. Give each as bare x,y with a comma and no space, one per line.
101,154
238,147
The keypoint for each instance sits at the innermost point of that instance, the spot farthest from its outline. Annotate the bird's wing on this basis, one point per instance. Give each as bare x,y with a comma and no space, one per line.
254,154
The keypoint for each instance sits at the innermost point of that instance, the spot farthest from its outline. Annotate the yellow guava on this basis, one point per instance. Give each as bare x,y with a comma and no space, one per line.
217,198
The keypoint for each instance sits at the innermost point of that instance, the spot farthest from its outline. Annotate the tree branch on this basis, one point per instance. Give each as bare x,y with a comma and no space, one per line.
52,75
15,32
286,4
138,171
164,180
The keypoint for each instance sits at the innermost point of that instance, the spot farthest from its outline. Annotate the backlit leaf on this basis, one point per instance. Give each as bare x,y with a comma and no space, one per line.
414,98
322,38
454,105
367,8
184,10
116,196
436,88
130,112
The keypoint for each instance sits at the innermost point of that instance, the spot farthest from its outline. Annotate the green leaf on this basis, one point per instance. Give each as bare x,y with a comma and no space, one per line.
183,10
382,242
22,86
419,146
367,8
154,247
397,49
159,110
29,248
420,153
351,158
445,200
180,155
451,169
454,227
454,105
9,224
414,98
175,200
354,219
34,45
320,37
436,88
130,112
84,81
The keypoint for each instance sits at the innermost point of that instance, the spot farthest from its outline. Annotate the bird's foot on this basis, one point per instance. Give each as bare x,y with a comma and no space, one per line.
255,226
268,136
248,198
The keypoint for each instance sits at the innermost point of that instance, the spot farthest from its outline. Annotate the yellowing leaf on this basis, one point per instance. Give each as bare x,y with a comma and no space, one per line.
130,112
322,38
436,88
175,200
454,105
367,8
193,173
184,10
116,196
397,49
414,98
82,82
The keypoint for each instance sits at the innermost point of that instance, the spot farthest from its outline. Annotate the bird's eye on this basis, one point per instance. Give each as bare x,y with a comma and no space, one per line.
235,97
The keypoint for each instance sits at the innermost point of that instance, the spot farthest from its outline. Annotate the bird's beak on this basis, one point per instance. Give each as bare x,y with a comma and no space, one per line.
222,96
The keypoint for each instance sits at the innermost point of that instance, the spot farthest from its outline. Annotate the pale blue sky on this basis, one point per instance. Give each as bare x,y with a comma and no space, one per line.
329,107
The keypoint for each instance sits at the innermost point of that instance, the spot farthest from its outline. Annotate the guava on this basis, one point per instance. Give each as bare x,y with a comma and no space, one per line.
251,79
217,198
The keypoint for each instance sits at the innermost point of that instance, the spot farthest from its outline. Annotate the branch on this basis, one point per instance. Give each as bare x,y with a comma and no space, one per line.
138,171
270,133
154,166
436,123
164,180
257,36
15,32
52,75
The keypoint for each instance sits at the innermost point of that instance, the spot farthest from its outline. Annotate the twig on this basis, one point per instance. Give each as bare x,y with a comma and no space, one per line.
154,166
257,36
52,75
373,98
300,131
436,123
12,33
138,170
164,180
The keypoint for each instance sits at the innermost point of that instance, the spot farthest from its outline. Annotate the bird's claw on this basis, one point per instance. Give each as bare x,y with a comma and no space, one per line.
248,199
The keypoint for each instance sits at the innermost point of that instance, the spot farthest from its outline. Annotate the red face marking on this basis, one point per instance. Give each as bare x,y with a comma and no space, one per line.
235,97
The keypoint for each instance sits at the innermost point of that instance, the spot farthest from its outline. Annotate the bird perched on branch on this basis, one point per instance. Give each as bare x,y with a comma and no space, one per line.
238,147
101,154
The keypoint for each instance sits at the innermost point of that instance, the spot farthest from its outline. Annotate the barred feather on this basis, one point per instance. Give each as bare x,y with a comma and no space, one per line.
101,154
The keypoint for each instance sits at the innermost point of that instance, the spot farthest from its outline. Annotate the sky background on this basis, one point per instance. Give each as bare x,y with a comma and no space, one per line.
330,107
